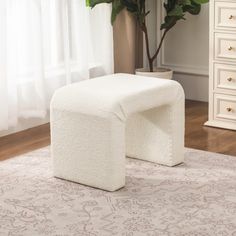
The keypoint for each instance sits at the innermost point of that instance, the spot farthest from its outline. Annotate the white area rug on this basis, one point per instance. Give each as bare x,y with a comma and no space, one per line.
195,198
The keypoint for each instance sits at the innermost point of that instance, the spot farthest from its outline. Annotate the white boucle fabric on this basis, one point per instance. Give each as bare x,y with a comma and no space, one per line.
96,123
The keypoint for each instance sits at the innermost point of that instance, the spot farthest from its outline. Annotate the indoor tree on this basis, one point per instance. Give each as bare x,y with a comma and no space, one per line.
175,11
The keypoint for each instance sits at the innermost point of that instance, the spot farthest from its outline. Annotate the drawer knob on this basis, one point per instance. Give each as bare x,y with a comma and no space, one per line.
231,17
230,48
229,79
229,109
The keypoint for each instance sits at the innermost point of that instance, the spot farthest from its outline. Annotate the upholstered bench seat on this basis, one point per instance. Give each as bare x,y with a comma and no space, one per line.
96,123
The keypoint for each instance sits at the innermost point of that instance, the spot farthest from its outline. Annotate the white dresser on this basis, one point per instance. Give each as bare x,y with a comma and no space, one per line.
222,87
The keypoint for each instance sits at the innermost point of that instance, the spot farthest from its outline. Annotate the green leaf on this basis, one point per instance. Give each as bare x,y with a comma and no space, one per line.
177,11
93,3
117,7
131,5
185,2
200,1
194,9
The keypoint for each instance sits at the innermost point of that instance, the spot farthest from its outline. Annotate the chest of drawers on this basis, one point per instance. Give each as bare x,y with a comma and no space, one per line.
222,64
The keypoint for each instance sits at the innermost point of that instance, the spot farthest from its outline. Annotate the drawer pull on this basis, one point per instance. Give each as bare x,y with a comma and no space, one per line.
230,48
229,109
229,79
231,17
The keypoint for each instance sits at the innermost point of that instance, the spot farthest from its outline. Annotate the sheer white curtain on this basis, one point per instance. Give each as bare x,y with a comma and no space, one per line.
45,44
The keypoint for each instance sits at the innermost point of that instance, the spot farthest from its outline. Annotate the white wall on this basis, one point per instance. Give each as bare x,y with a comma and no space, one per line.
185,49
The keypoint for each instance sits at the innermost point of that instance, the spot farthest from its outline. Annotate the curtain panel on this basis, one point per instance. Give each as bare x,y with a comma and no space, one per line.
44,45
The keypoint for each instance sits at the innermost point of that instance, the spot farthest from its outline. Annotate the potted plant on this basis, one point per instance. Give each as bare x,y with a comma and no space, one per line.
175,11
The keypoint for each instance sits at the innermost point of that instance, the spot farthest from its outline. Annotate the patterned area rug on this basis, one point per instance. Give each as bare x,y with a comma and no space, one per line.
195,198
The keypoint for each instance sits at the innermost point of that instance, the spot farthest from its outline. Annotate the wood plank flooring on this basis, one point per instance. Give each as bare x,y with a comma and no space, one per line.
24,141
206,138
197,136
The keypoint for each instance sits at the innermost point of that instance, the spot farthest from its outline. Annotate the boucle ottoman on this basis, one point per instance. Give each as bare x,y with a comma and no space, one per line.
96,123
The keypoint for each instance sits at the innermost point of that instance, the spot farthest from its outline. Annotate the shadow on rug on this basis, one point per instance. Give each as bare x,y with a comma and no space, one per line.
195,198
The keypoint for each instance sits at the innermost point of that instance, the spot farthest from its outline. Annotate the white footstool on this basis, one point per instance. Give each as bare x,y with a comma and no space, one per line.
96,123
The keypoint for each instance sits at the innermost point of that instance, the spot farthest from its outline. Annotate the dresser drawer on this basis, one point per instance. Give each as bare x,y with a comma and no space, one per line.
225,107
225,46
224,77
225,15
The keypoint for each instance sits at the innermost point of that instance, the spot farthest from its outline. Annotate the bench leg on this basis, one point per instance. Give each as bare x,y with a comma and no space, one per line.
157,135
88,150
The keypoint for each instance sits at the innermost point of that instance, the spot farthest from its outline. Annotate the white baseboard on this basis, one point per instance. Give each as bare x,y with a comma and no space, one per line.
195,86
25,124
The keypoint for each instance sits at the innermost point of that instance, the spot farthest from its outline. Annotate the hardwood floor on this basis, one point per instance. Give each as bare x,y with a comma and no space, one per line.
206,138
197,136
24,141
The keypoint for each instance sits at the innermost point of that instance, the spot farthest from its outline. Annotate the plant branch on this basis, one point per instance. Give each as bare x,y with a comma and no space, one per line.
147,42
144,29
160,45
